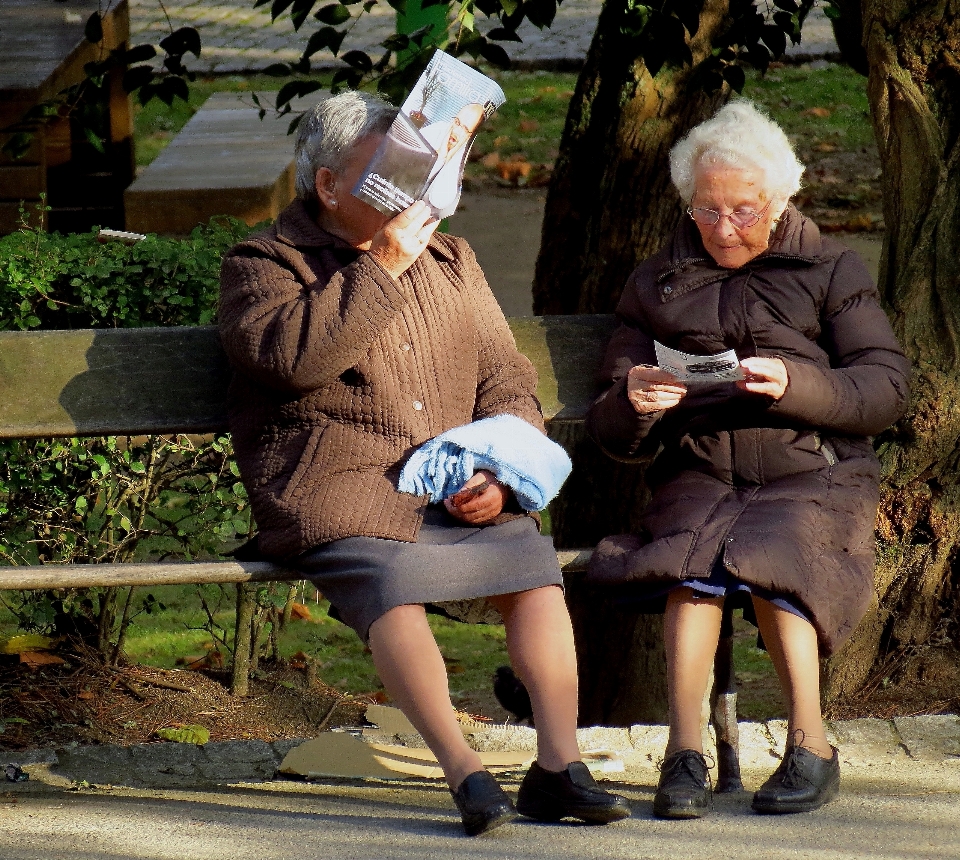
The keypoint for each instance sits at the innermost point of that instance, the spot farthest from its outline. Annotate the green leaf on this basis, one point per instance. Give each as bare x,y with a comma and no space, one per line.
510,6
360,60
192,734
333,13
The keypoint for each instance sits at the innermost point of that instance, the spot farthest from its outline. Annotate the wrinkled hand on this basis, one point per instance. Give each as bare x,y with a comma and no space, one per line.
398,243
482,507
764,376
650,389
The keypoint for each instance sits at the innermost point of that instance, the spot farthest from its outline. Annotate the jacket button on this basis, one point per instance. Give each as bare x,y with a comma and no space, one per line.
667,290
417,405
405,347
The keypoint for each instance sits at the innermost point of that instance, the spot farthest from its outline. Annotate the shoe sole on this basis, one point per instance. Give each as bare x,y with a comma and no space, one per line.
587,815
774,808
487,825
680,812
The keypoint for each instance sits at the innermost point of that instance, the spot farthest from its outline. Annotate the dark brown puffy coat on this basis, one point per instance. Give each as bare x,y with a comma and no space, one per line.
784,493
341,371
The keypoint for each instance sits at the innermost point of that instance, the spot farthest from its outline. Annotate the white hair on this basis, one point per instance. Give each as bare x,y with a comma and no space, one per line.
329,131
741,136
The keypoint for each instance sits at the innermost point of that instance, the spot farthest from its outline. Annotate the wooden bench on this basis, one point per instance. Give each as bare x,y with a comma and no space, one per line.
45,51
173,380
225,161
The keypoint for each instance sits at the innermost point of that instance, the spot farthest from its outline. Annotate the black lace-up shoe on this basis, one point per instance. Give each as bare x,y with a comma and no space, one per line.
483,805
548,795
802,782
684,787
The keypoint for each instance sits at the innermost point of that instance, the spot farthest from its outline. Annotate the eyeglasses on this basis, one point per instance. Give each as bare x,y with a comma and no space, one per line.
739,218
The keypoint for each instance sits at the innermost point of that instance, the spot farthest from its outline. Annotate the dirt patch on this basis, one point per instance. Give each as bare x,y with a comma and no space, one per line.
82,701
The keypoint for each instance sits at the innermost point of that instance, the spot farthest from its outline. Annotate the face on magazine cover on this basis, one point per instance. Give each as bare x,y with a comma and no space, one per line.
462,126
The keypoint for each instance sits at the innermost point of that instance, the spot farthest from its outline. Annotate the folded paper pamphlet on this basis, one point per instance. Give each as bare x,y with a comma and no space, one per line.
720,367
423,154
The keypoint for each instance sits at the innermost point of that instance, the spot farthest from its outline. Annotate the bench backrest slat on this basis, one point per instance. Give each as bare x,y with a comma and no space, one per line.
94,382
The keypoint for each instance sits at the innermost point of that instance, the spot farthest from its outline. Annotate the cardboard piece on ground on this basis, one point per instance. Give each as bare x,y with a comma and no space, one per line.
344,754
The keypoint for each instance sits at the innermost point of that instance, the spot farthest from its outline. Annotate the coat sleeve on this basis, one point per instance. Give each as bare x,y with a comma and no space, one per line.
295,334
506,378
866,387
612,422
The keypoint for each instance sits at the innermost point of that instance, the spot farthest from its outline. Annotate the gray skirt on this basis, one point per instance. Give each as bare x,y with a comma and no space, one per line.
365,577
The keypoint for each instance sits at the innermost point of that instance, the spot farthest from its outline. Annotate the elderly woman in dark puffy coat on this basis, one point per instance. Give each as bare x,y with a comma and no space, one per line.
357,341
765,489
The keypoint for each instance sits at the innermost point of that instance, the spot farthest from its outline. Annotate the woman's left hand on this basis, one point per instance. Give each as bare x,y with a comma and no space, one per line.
764,376
482,507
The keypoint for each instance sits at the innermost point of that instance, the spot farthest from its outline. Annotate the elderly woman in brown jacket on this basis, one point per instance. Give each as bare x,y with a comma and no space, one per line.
765,489
354,339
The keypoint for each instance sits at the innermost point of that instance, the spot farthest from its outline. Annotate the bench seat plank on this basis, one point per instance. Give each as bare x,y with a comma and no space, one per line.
49,576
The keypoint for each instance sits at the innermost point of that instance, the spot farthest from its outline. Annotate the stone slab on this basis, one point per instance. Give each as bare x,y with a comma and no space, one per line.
930,737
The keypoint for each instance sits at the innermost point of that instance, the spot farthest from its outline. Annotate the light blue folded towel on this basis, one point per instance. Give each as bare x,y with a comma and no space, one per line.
521,457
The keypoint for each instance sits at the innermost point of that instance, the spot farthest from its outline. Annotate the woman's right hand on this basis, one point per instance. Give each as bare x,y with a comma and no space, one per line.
650,389
398,243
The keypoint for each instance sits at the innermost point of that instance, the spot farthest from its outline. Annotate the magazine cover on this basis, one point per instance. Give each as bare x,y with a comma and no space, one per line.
423,154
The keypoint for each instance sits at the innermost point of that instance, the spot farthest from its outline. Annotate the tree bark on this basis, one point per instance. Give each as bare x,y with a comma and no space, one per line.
914,87
610,202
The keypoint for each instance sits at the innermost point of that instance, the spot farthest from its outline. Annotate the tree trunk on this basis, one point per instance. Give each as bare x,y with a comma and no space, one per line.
610,202
914,87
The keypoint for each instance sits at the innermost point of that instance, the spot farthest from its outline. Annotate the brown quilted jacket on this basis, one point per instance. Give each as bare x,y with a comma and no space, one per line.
340,372
784,494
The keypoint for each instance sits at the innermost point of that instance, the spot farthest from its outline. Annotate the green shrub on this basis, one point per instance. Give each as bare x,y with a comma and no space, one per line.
52,281
107,498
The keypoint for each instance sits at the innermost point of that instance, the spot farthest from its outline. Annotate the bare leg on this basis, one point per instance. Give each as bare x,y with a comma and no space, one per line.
791,642
412,670
540,644
691,630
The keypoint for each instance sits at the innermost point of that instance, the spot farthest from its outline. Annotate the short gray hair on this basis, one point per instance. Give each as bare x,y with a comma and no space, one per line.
739,135
329,130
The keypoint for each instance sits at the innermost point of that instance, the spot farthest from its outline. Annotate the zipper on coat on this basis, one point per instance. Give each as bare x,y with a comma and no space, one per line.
825,449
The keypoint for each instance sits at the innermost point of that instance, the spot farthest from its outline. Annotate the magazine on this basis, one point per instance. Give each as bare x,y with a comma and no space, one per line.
721,367
423,154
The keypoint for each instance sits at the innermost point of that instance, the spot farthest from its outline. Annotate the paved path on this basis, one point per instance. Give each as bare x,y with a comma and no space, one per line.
900,800
238,38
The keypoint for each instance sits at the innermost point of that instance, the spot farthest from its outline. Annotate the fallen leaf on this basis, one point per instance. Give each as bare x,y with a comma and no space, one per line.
492,159
196,662
34,659
528,125
85,694
301,612
500,140
185,734
27,642
825,147
820,112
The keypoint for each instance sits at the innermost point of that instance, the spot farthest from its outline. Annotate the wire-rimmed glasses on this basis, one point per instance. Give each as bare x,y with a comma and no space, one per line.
741,217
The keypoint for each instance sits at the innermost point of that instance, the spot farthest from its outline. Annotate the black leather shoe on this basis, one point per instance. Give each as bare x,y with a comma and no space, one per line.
802,782
483,805
548,795
684,787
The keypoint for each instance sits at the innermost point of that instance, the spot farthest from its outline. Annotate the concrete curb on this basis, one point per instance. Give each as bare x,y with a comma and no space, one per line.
872,747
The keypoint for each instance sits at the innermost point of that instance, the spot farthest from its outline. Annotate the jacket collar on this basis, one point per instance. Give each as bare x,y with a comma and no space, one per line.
796,240
296,226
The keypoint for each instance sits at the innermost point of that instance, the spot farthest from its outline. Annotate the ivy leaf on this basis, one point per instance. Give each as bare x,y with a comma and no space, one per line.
399,6
179,42
775,39
494,54
93,30
359,60
299,12
293,89
502,34
540,12
325,37
333,13
279,7
396,42
139,54
510,6
172,87
688,12
351,78
136,77
734,76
